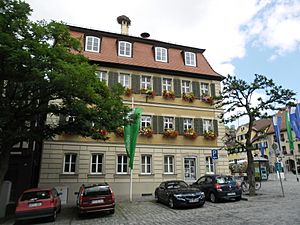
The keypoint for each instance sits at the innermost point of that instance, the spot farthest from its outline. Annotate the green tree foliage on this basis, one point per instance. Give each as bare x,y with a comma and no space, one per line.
237,100
43,73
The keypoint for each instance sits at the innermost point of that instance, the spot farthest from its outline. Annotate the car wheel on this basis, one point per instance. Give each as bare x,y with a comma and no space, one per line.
238,198
53,217
156,197
213,197
112,211
59,210
200,205
171,203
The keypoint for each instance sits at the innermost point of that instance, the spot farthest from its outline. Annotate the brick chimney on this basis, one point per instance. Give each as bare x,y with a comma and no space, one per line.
125,23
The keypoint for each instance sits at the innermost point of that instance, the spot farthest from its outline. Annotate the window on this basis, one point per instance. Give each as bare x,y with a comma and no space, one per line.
92,44
124,48
190,169
209,165
185,86
187,123
124,80
70,163
145,121
167,84
146,82
161,54
102,75
282,137
168,123
122,164
190,58
207,125
169,164
204,89
146,164
96,163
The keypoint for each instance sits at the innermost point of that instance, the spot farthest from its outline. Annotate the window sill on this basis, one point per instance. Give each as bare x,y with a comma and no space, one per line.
68,175
91,175
117,175
169,174
146,175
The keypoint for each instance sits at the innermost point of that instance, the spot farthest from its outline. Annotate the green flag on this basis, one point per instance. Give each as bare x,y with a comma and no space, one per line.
289,131
131,132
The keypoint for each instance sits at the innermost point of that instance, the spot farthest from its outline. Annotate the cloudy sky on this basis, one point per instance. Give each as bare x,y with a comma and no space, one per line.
241,37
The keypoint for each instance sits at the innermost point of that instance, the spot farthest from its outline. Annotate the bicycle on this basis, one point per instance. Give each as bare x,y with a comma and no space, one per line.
245,185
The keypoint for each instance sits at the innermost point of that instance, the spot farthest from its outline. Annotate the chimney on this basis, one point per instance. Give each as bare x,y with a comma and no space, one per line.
125,23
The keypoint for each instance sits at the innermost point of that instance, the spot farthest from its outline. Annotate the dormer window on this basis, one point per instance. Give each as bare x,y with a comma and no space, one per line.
190,59
124,48
161,54
92,44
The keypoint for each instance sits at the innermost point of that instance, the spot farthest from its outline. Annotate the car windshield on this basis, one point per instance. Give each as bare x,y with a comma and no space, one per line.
35,195
225,180
175,185
96,191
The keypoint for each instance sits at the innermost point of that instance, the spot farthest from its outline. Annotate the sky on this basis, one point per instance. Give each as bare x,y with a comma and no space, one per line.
241,37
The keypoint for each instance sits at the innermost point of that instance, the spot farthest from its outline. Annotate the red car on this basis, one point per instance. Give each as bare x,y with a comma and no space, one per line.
38,203
95,198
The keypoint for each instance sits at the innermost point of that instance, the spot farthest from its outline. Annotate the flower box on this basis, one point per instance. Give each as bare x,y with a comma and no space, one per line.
148,93
170,133
146,131
119,132
208,99
190,133
168,94
128,92
188,97
210,135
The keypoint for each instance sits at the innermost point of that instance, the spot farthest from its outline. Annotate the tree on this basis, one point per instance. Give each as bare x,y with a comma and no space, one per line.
43,74
237,94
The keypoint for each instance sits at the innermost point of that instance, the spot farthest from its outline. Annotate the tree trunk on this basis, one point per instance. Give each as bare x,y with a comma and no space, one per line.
250,172
4,160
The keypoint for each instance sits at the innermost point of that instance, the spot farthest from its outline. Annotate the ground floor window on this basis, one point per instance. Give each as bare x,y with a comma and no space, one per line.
209,165
96,163
122,164
190,169
169,164
70,163
146,164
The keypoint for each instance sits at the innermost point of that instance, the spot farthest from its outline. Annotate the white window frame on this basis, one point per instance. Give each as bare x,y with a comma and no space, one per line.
209,165
124,79
97,163
147,162
146,121
187,123
161,54
70,163
190,58
123,164
125,49
146,82
102,76
169,122
208,125
195,166
167,84
204,88
93,46
186,86
169,164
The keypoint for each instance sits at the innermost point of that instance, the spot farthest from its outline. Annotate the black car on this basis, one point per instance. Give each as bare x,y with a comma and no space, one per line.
294,171
177,193
216,187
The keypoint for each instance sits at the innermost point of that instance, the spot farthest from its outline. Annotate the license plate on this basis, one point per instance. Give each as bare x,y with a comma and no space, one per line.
97,201
194,200
230,194
36,204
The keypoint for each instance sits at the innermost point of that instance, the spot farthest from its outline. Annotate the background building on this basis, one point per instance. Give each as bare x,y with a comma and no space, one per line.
174,85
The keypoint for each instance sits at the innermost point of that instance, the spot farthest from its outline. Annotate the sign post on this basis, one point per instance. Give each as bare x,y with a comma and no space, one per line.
214,157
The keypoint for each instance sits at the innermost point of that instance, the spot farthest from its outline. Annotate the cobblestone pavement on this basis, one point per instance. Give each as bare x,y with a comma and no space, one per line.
268,207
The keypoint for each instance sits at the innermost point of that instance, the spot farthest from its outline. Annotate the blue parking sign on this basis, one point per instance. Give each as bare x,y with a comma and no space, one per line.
214,154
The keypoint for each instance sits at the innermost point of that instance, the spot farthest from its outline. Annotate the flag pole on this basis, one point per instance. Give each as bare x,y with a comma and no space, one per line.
130,185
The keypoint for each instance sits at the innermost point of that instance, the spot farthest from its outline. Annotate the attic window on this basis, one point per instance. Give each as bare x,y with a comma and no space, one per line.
161,54
92,44
190,59
124,48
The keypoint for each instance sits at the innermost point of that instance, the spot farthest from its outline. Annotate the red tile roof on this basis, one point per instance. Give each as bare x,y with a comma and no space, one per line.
143,54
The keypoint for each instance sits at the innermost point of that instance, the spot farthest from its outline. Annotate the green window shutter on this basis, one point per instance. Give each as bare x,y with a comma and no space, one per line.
177,88
135,83
160,124
198,125
196,89
157,85
154,124
177,122
181,130
216,127
112,78
213,90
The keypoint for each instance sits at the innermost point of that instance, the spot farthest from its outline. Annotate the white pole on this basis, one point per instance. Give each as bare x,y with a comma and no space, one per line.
296,169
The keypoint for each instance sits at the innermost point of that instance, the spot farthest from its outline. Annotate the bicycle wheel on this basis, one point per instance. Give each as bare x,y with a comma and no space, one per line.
257,185
245,186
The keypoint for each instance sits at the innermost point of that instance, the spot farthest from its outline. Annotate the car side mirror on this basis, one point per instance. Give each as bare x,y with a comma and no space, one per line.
76,193
59,194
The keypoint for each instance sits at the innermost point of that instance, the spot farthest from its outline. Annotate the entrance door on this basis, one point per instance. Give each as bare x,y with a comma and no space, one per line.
189,169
